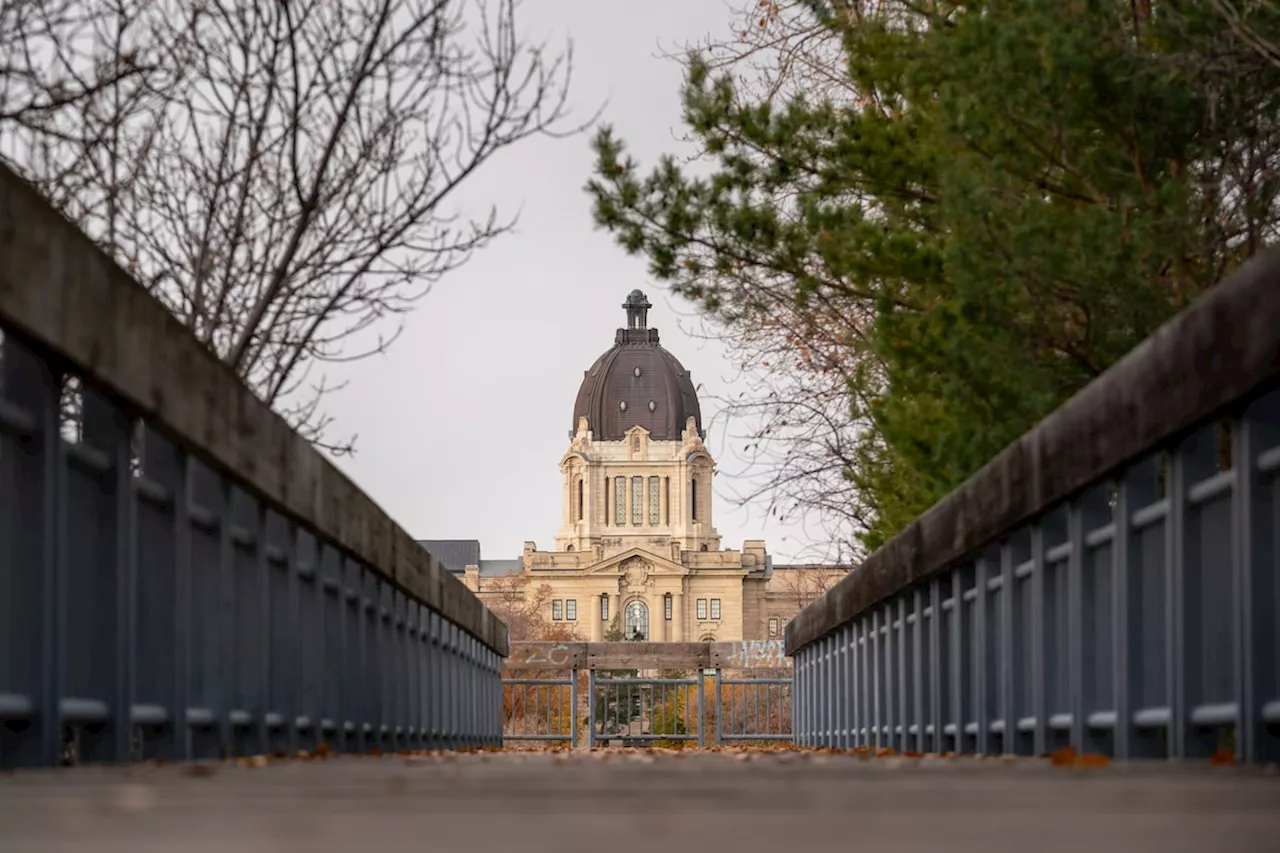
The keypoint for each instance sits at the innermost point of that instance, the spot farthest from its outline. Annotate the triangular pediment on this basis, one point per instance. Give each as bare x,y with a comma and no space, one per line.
636,559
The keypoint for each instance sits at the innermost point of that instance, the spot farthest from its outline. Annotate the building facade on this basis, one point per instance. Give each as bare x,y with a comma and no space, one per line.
637,555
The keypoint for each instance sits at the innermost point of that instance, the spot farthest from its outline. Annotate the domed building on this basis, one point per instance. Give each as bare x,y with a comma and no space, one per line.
637,554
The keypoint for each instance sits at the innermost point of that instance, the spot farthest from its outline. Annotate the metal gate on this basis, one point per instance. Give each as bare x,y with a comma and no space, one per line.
647,694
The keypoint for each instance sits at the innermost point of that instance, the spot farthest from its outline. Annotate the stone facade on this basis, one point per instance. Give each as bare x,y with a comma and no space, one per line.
637,549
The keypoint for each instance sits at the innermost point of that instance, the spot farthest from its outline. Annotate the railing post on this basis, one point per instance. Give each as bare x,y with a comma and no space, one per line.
719,715
1121,614
573,708
981,655
936,663
702,710
591,709
918,667
1005,640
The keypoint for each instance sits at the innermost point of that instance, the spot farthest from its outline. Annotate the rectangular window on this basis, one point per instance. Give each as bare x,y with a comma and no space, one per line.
571,609
715,608
773,626
557,610
655,502
637,501
702,608
604,608
619,500
666,608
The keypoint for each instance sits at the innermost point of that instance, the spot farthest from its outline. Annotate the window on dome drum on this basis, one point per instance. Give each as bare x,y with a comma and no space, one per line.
773,626
571,609
693,499
655,502
636,622
604,607
619,500
702,608
666,488
580,501
715,608
637,501
557,610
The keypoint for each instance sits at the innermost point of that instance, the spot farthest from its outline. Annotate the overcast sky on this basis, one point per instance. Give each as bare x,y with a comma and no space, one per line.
461,426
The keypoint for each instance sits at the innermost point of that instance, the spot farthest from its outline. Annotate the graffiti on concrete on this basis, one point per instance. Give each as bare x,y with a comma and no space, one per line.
758,653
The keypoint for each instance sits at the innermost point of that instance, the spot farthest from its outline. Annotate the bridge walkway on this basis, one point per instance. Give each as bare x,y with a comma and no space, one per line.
644,800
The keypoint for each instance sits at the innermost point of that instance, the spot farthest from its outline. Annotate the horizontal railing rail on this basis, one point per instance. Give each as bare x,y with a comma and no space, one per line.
182,575
1108,583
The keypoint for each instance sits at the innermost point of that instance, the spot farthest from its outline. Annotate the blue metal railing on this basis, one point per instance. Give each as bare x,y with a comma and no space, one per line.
179,593
1110,583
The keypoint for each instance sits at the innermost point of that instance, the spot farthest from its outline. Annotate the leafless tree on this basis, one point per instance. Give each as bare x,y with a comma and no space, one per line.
57,55
285,175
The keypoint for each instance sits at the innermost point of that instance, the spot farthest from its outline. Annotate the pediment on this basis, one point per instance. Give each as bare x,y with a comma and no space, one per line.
636,561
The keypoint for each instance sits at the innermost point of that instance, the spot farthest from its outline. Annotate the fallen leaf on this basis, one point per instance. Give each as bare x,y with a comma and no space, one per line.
1223,755
1092,759
1063,756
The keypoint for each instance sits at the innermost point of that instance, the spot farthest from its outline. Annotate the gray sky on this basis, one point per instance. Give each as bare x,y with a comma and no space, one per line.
461,426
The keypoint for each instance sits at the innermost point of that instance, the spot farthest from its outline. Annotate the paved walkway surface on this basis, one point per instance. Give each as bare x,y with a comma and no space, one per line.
619,802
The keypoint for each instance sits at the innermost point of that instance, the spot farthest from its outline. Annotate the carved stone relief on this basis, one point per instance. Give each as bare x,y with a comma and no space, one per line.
635,574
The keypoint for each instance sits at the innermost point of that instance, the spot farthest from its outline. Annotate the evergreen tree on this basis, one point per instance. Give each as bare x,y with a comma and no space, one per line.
1017,194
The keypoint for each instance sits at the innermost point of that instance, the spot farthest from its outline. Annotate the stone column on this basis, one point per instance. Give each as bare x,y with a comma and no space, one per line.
568,498
677,618
597,624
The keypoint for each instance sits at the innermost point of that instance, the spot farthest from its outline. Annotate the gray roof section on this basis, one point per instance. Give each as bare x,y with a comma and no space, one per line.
455,554
500,568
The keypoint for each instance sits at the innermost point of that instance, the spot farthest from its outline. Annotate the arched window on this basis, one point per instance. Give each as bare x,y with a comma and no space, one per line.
704,547
580,502
636,622
693,499
570,548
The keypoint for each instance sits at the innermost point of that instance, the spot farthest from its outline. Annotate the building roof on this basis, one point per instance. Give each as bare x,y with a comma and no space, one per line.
636,383
500,568
455,554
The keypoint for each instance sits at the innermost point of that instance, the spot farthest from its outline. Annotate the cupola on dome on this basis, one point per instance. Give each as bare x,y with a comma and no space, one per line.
637,383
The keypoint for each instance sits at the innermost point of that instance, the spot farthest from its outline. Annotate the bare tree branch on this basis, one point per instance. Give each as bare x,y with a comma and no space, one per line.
283,176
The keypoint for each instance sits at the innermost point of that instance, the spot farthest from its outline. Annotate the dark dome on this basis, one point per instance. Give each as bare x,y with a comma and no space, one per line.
637,382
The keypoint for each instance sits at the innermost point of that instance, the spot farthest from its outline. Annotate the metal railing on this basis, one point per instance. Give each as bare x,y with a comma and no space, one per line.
1110,583
646,694
753,710
181,575
541,709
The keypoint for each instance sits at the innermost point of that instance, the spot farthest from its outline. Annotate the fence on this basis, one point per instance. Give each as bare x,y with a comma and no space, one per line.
181,575
1108,583
637,694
